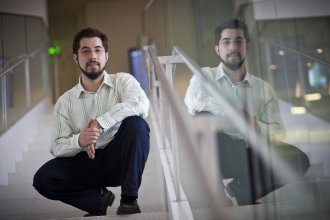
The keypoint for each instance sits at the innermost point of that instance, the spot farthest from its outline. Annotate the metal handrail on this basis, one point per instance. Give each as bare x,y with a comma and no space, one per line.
183,125
257,142
8,70
295,51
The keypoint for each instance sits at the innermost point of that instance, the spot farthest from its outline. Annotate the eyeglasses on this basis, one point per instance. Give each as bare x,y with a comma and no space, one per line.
236,42
88,51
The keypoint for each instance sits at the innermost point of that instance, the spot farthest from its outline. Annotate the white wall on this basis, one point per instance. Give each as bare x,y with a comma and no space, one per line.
26,7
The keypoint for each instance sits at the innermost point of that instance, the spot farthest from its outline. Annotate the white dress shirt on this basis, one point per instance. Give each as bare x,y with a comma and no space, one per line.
252,94
118,97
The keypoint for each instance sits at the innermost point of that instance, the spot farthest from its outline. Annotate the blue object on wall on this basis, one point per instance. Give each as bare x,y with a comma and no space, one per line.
138,67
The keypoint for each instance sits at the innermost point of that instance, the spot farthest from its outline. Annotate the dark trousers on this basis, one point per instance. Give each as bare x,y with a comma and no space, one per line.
78,180
254,176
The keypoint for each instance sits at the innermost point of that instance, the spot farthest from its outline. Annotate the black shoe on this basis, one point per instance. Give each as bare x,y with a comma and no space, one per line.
128,208
105,201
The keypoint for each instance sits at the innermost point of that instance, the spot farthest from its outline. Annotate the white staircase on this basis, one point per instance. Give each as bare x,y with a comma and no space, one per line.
19,199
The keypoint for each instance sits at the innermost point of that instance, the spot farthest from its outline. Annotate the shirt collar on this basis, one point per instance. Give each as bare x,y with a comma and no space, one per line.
222,75
80,89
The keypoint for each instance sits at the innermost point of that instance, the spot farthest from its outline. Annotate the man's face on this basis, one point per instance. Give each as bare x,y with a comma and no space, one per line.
91,57
232,48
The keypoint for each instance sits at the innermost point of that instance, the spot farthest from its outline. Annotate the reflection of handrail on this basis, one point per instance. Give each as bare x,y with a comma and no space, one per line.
233,115
257,142
172,180
324,62
240,11
182,123
148,5
21,60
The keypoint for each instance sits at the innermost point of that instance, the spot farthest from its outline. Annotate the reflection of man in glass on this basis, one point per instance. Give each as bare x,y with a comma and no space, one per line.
257,102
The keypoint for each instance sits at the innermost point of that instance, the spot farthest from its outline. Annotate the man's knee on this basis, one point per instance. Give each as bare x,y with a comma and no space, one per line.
136,129
38,182
135,124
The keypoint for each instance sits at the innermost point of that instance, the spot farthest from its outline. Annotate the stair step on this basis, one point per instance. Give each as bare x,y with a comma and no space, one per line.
33,208
22,191
36,155
24,199
14,207
40,143
41,216
139,216
21,201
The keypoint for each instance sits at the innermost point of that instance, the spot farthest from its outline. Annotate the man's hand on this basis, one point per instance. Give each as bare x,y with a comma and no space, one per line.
89,136
90,149
95,124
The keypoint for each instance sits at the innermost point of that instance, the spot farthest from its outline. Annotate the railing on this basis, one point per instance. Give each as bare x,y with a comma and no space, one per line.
170,119
177,133
297,52
173,125
24,66
7,87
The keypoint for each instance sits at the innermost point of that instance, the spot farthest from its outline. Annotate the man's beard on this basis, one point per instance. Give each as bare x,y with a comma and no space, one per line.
92,75
234,65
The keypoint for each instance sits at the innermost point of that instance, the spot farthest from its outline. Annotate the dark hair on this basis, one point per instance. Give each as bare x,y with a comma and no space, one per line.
89,33
231,24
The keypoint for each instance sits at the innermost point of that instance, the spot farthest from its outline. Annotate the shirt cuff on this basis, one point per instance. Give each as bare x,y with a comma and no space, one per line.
75,140
106,121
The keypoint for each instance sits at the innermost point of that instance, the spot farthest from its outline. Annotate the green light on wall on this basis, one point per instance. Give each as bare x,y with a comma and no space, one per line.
54,50
51,51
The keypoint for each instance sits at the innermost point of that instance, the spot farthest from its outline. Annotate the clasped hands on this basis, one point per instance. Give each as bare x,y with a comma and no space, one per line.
89,136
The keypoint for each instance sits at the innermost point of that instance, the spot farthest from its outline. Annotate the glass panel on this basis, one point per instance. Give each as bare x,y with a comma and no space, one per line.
17,94
284,53
315,41
208,14
194,185
36,79
35,33
1,46
13,38
292,54
181,79
19,34
2,125
155,25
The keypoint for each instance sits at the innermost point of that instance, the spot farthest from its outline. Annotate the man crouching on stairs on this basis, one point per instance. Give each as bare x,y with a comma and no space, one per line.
100,138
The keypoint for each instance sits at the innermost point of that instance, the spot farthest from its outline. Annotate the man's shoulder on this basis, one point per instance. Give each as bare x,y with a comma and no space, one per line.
260,83
119,76
66,95
209,69
257,79
210,72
